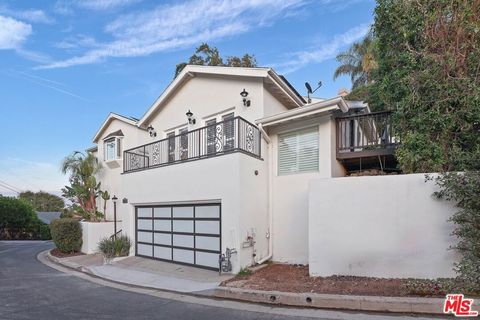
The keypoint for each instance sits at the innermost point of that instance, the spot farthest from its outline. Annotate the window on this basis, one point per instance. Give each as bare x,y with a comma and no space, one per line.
298,151
113,148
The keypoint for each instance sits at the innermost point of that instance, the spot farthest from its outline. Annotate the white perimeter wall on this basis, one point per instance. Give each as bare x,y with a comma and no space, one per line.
382,226
93,232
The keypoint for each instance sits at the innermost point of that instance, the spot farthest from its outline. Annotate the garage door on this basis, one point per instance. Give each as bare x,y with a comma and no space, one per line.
184,234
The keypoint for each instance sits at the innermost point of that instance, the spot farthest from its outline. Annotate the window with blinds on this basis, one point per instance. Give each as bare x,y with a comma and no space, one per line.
298,151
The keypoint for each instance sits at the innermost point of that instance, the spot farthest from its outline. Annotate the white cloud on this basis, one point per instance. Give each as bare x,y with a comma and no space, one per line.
325,51
30,15
174,26
13,33
67,7
105,4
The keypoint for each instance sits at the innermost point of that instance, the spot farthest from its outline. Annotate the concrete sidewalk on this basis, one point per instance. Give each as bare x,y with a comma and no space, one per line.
153,274
147,273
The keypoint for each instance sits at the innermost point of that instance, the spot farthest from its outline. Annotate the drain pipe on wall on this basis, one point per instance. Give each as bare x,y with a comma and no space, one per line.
270,196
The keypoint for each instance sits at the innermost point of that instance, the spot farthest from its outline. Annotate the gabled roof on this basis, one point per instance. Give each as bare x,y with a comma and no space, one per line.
272,80
113,116
311,110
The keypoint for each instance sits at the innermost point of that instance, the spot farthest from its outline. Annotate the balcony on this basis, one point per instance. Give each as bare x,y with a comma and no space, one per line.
366,137
228,136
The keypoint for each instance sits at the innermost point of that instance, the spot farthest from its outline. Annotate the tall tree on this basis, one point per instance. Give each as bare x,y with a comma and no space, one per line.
83,189
429,72
210,56
358,62
43,201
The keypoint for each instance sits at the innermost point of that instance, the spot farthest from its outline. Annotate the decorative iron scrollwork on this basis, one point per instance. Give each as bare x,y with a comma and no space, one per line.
135,162
156,153
218,138
249,138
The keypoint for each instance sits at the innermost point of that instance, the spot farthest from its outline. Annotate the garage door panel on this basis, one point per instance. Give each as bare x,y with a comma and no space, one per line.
183,212
144,236
185,256
183,241
207,212
162,238
206,259
144,249
144,212
162,225
162,253
162,212
187,234
143,224
183,226
207,243
209,227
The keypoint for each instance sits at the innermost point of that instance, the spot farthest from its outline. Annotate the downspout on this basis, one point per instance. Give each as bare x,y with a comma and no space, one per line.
270,196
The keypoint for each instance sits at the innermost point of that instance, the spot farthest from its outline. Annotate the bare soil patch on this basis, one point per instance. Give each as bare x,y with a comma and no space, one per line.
57,253
294,278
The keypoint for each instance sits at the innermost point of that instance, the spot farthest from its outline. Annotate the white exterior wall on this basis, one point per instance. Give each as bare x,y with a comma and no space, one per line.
382,226
226,179
207,98
93,232
110,175
290,193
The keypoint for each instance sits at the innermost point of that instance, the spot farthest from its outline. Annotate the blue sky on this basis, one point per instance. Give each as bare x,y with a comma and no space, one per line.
64,65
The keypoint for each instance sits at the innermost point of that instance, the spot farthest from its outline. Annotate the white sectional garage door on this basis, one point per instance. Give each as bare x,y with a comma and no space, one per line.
184,234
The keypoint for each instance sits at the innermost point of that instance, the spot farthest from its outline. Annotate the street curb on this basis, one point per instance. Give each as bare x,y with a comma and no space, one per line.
402,305
333,301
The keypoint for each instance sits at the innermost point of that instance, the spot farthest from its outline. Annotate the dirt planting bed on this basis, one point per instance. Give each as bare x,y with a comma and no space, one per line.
293,278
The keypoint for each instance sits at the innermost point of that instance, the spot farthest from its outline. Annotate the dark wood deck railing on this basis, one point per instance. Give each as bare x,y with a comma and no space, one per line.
365,135
232,135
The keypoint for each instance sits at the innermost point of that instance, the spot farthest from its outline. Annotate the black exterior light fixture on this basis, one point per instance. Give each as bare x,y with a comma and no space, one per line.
246,102
114,199
191,119
151,131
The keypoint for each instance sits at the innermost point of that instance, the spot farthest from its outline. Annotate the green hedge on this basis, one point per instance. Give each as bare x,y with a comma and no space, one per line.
19,221
67,235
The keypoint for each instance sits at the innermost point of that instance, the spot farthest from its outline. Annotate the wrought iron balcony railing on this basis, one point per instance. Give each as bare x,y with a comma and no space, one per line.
364,135
232,135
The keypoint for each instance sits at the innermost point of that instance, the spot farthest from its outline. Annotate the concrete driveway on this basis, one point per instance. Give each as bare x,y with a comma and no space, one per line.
32,290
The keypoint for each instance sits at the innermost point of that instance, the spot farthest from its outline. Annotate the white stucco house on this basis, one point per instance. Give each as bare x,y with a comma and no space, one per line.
223,159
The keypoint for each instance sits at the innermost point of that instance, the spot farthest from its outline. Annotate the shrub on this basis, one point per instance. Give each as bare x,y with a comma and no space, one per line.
66,234
18,220
111,247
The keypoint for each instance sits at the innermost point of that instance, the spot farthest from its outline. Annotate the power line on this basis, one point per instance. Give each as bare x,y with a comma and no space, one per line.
10,187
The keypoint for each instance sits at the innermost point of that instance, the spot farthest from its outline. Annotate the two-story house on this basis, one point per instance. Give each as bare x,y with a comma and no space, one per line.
223,159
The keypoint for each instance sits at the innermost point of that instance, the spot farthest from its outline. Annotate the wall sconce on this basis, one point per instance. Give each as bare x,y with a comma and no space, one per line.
151,131
191,119
246,102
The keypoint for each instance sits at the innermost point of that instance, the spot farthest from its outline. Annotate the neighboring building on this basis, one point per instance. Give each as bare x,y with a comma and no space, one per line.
223,159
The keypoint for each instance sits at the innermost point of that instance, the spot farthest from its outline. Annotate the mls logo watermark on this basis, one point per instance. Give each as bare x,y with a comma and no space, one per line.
459,306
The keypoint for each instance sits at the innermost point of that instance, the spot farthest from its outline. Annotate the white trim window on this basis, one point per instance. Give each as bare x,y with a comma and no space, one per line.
298,151
112,149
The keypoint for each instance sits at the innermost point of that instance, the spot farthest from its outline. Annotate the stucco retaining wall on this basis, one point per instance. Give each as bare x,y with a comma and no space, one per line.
382,226
93,232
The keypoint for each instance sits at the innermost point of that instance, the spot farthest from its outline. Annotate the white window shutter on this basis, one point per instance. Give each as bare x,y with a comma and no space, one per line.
298,151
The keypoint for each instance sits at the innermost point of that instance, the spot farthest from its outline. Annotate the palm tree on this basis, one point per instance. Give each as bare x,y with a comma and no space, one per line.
358,62
83,188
